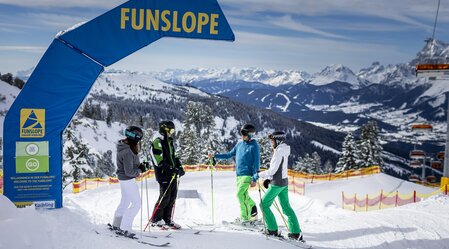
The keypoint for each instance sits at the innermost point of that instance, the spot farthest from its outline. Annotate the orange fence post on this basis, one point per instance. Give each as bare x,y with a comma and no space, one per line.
343,199
366,203
446,189
293,183
414,196
396,201
355,200
313,176
380,200
330,174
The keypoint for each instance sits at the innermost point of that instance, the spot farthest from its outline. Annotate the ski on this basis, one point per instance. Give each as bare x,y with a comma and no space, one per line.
135,239
297,243
111,228
240,227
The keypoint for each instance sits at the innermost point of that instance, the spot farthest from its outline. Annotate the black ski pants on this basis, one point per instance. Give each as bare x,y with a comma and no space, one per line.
165,209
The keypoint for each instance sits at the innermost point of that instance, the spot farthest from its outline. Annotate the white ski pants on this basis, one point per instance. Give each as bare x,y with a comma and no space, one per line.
129,203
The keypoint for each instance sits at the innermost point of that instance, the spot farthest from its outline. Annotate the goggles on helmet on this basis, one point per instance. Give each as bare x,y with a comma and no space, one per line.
134,135
170,131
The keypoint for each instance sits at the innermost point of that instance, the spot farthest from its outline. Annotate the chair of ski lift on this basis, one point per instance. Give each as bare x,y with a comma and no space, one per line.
440,155
422,127
431,179
413,178
433,71
436,164
415,164
417,154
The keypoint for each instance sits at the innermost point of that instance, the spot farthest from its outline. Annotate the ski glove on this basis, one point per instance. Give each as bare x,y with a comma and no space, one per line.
144,166
266,183
179,171
255,177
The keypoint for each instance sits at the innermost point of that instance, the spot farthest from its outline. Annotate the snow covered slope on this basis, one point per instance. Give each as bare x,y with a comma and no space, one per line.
420,225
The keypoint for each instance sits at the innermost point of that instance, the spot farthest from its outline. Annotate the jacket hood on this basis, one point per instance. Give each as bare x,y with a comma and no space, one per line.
121,146
284,148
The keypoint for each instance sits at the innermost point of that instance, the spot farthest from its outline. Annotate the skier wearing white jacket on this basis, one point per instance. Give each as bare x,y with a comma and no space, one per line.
277,175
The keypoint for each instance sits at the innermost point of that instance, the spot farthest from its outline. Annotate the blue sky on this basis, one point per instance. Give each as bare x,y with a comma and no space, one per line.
272,34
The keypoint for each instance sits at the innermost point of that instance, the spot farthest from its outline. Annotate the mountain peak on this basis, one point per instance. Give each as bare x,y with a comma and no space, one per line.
435,51
335,72
269,77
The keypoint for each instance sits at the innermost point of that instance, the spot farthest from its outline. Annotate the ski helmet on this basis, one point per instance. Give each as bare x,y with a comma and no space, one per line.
133,134
248,130
166,127
278,137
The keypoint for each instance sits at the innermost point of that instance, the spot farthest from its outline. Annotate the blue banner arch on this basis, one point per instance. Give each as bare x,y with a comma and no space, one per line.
34,124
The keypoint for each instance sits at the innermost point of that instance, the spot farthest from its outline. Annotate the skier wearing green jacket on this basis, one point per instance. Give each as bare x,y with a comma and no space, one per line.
247,164
278,177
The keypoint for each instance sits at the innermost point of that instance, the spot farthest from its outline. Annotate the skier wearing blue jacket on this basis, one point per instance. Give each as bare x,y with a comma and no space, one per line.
247,163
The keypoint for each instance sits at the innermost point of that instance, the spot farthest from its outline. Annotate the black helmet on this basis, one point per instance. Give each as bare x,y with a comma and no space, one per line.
248,130
134,134
278,137
166,127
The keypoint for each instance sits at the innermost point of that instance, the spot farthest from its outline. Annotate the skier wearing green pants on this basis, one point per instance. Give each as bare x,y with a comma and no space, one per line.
278,177
247,163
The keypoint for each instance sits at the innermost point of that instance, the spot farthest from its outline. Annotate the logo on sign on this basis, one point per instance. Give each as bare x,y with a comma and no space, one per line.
32,123
44,204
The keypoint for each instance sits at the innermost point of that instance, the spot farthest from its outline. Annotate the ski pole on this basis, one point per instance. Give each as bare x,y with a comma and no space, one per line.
159,203
212,164
263,213
141,208
148,205
176,198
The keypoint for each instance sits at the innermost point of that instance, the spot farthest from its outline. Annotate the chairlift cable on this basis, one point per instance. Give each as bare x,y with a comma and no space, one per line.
436,19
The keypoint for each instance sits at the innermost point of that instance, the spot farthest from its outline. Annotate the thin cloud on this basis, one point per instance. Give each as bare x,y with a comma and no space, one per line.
288,23
64,3
30,49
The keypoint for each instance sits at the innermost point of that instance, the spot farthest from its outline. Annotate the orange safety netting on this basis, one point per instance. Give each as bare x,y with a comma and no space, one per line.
385,200
336,176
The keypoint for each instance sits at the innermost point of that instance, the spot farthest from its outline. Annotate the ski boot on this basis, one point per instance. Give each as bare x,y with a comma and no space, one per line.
160,224
296,236
274,233
125,233
173,225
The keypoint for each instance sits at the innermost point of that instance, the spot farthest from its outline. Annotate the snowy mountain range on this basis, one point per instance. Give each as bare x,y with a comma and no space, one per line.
340,99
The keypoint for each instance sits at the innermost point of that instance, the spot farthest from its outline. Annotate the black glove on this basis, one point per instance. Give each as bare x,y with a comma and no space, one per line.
144,166
266,183
179,171
178,163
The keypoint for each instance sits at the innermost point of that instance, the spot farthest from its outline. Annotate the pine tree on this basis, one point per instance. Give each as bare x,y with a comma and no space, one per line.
105,164
316,163
305,164
369,153
146,146
109,117
75,154
328,167
198,138
265,152
347,159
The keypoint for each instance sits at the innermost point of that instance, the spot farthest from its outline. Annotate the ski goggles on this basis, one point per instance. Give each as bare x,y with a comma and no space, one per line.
134,135
170,131
246,133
